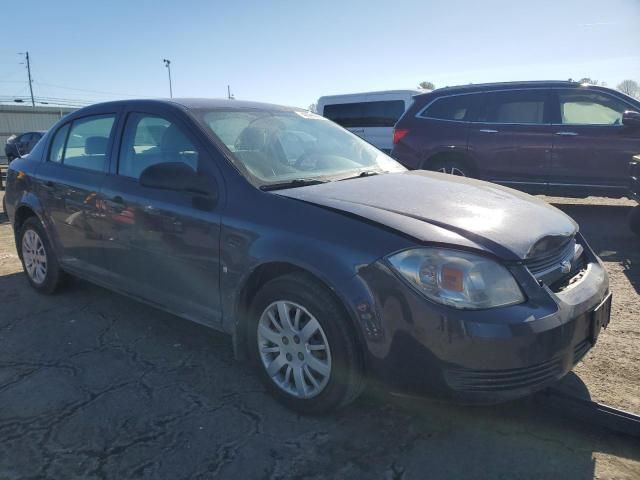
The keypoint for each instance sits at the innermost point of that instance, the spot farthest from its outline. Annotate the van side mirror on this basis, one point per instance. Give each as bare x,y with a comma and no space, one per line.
178,177
631,118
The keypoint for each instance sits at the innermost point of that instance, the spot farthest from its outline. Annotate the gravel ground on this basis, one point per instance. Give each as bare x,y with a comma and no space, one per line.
94,385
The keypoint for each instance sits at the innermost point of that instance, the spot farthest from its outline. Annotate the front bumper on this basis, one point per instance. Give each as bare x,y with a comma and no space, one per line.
482,356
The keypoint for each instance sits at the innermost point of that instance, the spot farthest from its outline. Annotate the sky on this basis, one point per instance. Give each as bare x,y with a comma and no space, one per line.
292,52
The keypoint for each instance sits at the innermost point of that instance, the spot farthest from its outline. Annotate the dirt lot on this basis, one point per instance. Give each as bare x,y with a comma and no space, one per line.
93,385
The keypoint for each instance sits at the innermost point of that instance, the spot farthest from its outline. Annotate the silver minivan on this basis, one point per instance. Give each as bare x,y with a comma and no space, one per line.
370,115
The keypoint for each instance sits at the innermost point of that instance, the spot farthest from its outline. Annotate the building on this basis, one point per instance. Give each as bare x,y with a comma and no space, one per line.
22,118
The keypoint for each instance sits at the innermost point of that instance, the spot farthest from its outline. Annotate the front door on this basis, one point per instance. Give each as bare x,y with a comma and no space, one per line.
591,146
510,138
164,245
69,181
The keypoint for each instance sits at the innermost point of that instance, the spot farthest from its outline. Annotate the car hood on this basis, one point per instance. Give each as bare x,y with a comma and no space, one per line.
511,224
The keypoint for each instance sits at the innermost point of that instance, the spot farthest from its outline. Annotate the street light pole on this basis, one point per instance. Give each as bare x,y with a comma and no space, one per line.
167,63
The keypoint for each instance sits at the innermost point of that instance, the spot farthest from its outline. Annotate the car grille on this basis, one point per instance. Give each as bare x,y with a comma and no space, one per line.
563,263
469,380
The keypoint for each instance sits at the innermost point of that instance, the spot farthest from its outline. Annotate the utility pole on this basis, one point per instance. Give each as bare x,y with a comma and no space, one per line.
229,96
167,63
26,56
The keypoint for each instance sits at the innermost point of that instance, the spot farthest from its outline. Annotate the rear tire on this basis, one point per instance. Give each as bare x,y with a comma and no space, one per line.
452,167
304,375
634,219
39,261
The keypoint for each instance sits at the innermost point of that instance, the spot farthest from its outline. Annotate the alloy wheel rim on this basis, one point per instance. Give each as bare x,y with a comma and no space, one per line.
294,349
452,171
34,256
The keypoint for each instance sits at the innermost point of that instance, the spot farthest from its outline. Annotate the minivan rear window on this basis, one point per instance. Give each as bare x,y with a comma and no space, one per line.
384,113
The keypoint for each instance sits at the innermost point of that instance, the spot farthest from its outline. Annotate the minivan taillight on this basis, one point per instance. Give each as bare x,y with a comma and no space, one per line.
399,134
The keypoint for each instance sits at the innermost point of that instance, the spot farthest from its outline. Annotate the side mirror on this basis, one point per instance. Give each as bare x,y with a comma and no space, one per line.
178,177
631,118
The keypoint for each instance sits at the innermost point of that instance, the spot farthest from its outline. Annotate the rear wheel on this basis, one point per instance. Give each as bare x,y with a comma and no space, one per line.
38,259
634,220
300,342
453,166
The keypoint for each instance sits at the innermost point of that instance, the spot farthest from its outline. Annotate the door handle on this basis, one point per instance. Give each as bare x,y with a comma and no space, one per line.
567,134
488,130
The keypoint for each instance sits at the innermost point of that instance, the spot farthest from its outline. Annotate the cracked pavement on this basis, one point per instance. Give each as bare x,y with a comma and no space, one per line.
95,386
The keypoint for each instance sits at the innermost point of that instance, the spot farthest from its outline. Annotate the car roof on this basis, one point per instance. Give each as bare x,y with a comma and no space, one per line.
194,103
475,87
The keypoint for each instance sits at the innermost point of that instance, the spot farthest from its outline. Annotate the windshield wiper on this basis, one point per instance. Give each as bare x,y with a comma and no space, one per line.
366,173
296,182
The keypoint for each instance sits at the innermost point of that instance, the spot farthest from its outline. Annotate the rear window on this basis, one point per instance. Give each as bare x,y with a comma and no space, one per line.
383,113
456,107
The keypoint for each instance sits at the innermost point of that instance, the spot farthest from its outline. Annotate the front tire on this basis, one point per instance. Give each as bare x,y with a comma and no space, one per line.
300,341
38,258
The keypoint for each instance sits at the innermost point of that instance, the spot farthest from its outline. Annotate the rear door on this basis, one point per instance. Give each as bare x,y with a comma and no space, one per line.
591,146
510,138
164,245
380,114
69,181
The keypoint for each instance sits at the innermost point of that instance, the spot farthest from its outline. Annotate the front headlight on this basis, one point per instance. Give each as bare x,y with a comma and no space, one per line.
458,279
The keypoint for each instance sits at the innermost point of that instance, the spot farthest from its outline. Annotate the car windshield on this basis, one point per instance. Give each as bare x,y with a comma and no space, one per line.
280,146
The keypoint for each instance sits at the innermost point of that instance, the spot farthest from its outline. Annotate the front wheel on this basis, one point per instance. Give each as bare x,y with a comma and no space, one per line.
300,341
38,258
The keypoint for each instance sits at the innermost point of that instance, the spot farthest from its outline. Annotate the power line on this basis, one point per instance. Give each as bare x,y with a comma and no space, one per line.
88,91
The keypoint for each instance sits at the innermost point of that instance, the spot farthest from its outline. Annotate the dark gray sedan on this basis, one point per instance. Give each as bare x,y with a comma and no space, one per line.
326,260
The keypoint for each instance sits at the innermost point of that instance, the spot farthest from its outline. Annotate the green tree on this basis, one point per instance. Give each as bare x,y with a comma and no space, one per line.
427,85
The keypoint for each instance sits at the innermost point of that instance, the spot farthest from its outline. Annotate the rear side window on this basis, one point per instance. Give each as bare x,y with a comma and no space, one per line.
149,140
384,113
344,114
87,142
517,106
456,107
590,108
57,145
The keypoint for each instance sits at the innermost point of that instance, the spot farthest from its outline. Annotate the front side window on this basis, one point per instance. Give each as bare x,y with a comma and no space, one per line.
149,140
57,145
87,142
457,107
590,108
279,145
517,106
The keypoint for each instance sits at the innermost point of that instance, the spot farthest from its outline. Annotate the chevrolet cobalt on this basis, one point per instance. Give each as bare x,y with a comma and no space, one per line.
328,262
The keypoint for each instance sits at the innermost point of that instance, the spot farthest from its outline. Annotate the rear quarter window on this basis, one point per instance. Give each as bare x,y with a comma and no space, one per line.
457,108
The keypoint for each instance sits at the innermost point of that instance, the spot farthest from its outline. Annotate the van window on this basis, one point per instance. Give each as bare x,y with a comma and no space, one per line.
516,106
456,107
87,142
590,108
383,113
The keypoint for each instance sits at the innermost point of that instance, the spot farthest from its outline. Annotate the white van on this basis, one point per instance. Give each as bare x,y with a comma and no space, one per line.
370,115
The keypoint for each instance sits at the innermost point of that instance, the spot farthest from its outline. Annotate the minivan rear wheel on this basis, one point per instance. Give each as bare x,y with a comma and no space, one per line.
300,342
38,258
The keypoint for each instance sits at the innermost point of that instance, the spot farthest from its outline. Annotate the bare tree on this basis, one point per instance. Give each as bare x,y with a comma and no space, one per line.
427,85
630,87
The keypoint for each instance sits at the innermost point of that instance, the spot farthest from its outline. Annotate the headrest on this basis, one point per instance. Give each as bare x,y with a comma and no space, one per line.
95,145
174,141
